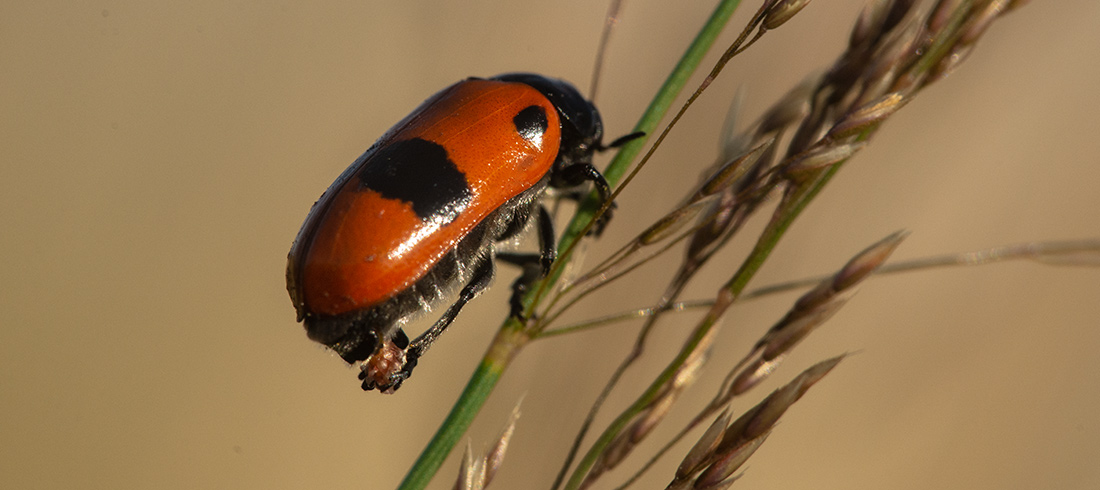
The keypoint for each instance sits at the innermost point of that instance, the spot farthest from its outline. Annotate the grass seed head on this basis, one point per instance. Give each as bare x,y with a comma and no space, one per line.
783,11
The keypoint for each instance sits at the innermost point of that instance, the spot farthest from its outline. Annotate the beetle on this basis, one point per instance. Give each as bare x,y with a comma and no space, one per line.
422,210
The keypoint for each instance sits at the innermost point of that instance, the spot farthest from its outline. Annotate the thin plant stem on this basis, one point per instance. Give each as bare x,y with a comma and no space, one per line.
610,20
1073,253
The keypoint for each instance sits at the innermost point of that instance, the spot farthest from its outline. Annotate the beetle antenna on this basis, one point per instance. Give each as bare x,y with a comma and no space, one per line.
622,140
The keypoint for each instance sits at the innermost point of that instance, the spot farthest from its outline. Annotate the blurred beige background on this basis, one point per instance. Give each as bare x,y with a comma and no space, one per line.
158,160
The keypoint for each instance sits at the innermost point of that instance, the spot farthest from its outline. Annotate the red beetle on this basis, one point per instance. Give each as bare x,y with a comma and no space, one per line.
420,211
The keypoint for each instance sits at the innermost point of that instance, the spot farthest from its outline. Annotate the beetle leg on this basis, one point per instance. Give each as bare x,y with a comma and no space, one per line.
575,175
480,280
534,266
532,271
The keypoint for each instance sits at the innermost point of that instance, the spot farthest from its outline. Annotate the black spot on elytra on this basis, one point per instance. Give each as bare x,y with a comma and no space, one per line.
418,172
531,124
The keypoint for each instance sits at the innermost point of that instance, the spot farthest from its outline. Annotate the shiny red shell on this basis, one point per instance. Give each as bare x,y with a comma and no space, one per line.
358,248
